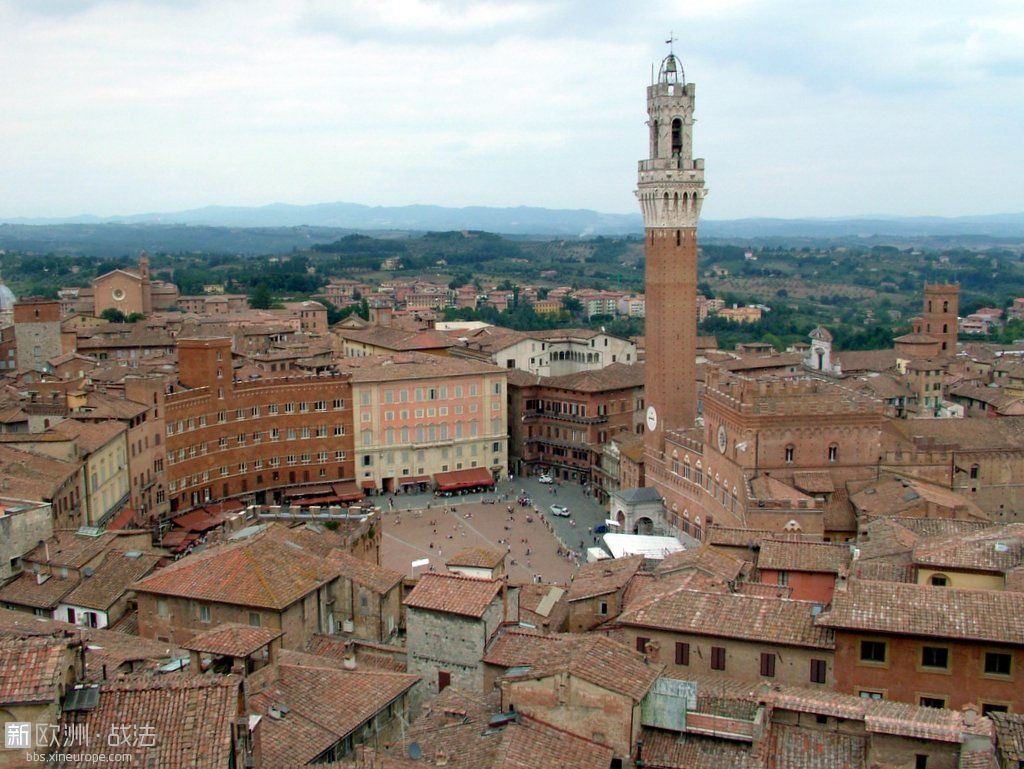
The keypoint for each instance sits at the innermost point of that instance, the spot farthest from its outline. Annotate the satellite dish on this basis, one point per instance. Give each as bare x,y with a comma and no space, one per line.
415,751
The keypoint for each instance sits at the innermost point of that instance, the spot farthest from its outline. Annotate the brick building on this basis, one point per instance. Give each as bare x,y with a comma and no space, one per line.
254,439
936,646
562,423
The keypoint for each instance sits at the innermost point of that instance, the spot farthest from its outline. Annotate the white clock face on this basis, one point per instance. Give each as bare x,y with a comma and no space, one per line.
652,418
723,439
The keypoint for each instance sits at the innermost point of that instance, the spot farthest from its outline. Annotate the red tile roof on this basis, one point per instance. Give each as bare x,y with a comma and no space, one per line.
603,577
111,579
369,575
32,669
262,571
454,594
233,640
326,704
923,610
191,719
787,555
477,557
600,661
732,615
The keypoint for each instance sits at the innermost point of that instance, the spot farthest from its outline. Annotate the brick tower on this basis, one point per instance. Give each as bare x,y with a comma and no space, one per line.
941,308
670,188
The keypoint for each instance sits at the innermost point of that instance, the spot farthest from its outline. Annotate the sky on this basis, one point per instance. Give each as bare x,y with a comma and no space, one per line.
804,108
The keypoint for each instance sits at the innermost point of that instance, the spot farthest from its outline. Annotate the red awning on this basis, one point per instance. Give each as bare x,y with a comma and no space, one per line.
409,480
198,520
331,499
347,491
369,484
177,540
464,479
123,520
227,506
308,491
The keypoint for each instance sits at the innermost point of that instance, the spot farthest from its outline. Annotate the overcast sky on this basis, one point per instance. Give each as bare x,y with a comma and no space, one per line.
808,108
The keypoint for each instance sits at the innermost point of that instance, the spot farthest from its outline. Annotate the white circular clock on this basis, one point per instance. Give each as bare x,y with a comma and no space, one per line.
652,418
723,439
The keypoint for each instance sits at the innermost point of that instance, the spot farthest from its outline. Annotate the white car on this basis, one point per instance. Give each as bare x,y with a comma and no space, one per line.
545,479
560,510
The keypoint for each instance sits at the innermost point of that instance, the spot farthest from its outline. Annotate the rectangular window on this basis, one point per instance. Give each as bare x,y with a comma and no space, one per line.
254,619
682,653
872,651
204,613
932,702
998,664
768,664
641,643
718,658
988,707
935,657
818,671
602,608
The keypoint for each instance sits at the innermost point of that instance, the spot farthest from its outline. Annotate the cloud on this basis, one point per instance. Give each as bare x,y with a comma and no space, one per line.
116,106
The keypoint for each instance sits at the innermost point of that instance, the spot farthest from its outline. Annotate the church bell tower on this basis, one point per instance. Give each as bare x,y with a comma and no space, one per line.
671,189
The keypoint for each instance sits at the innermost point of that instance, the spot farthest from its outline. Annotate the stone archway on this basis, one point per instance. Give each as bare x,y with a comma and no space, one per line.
644,525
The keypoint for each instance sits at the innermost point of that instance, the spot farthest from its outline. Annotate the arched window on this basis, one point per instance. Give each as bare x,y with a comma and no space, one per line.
929,305
945,306
974,471
677,137
833,452
790,451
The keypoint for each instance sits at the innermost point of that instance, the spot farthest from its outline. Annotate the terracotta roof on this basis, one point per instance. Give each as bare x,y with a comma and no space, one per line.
525,647
617,376
707,558
69,548
28,475
795,747
669,750
111,579
92,436
191,719
603,577
411,365
336,649
1009,735
892,496
262,571
396,339
26,590
454,594
477,557
922,610
987,434
732,537
788,555
369,575
996,549
814,482
865,360
600,661
455,725
32,669
325,705
732,615
233,640
543,605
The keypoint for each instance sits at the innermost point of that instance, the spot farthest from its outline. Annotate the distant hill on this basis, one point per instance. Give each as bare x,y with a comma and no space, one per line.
522,220
279,227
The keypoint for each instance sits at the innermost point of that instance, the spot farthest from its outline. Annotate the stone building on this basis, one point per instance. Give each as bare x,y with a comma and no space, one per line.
103,449
36,332
23,524
449,620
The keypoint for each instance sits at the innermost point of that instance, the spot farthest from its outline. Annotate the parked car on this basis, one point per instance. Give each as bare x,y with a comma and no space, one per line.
545,479
560,510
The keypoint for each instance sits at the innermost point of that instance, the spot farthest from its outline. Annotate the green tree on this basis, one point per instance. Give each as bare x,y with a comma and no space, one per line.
113,315
134,317
260,298
572,305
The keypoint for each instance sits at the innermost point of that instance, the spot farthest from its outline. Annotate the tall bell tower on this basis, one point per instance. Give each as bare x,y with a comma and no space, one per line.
670,188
